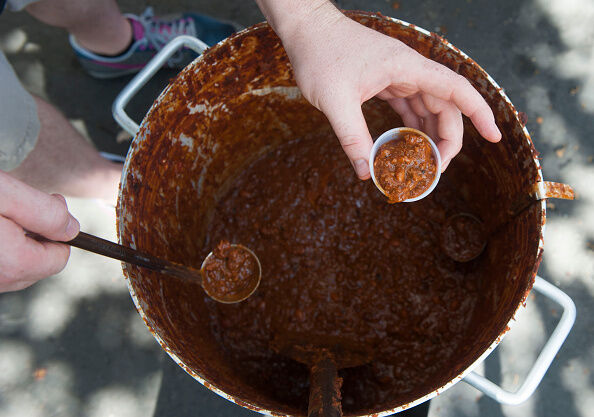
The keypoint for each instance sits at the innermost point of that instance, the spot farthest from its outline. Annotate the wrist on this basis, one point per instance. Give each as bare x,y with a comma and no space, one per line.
289,18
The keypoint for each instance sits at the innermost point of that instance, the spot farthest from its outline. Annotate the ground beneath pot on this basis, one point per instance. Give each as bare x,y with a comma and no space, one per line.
73,345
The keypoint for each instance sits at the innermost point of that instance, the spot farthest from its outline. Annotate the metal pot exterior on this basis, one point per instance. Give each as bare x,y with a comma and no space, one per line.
182,161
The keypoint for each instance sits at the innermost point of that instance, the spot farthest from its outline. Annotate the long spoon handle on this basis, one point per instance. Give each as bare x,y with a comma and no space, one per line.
113,250
324,388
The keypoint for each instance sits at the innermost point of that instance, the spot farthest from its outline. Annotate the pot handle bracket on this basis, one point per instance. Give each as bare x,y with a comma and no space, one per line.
545,358
154,65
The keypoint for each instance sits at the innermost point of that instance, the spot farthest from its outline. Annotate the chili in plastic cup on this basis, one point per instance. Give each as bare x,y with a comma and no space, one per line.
395,134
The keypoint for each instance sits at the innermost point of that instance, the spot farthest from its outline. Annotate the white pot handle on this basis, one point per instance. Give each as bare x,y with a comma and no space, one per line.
154,65
544,360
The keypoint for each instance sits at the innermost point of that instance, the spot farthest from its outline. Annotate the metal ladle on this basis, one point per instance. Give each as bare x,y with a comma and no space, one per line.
324,355
113,250
464,236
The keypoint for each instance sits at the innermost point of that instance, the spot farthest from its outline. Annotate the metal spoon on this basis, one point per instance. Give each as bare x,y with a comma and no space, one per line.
464,236
113,250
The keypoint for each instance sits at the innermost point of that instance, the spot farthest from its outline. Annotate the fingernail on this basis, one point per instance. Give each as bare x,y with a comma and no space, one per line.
361,168
496,130
72,228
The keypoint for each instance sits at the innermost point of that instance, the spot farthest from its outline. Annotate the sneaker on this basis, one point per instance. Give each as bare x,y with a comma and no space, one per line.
150,34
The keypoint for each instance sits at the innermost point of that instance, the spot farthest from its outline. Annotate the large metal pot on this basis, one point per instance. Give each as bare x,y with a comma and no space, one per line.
242,93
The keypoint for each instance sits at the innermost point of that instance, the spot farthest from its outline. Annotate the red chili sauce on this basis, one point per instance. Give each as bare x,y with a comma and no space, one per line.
229,272
337,261
405,167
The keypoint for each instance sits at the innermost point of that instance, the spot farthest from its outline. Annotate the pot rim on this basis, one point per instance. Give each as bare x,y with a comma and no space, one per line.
140,135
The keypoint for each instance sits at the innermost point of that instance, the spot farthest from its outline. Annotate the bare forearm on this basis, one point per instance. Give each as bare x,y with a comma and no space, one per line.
63,162
288,16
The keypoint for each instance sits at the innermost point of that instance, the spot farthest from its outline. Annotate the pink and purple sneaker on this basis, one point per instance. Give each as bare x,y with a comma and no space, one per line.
150,34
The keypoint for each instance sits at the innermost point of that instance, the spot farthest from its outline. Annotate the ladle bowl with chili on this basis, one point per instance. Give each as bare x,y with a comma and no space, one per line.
230,273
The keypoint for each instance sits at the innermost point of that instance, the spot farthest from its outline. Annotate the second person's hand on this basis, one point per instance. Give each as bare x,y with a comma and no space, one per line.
23,260
339,64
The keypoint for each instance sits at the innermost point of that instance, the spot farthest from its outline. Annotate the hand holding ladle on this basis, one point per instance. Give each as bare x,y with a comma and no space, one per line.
113,250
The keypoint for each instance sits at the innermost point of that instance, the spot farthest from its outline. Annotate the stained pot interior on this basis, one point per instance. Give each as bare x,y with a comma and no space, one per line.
238,102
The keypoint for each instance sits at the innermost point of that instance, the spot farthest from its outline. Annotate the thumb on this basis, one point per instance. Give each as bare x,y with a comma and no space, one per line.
65,226
349,125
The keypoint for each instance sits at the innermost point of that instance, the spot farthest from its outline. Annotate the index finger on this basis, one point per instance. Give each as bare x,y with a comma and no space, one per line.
439,81
35,210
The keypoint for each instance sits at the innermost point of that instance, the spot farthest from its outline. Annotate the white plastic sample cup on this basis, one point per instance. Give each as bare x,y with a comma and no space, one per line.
395,134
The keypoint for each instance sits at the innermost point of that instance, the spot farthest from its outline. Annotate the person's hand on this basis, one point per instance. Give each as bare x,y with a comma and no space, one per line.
23,260
339,64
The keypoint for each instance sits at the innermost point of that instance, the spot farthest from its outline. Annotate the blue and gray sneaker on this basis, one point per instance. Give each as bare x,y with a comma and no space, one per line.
150,34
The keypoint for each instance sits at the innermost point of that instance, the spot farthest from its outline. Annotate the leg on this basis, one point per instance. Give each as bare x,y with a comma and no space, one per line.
64,162
97,25
40,147
109,44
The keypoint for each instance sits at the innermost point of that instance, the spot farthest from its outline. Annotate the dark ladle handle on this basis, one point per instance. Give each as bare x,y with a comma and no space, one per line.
324,389
113,250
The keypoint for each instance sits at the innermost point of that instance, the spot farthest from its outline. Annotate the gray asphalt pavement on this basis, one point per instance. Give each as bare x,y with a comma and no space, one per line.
73,345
